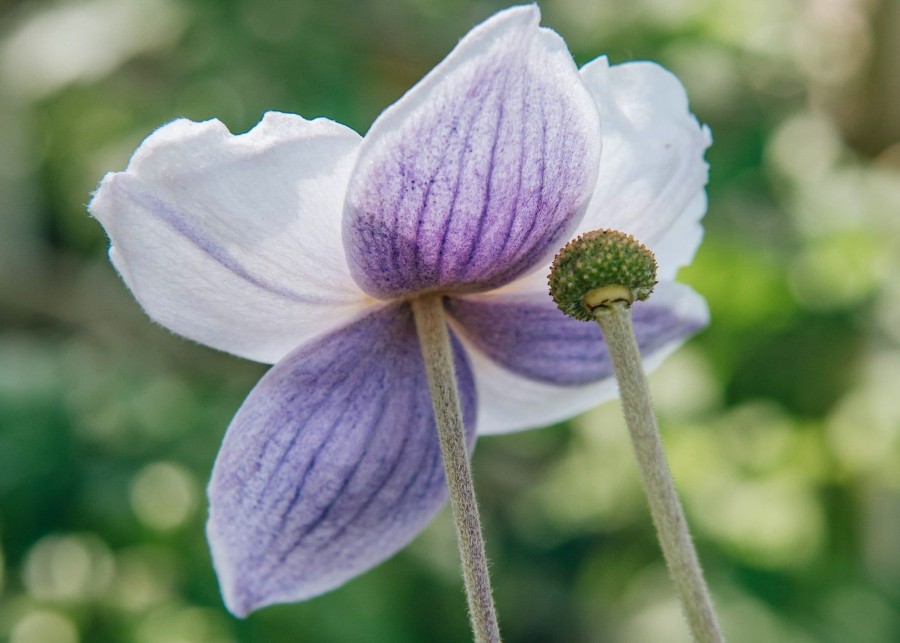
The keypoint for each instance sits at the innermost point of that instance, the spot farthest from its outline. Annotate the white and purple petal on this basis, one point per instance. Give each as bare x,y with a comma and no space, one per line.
331,465
653,175
480,171
235,241
535,366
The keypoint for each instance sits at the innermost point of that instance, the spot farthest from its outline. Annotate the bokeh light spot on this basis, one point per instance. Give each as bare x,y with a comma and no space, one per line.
163,495
44,626
68,567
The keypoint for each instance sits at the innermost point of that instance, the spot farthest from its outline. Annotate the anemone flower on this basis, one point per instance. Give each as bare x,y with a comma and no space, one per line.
301,244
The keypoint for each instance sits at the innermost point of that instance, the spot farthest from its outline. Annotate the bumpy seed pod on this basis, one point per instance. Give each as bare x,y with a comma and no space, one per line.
599,268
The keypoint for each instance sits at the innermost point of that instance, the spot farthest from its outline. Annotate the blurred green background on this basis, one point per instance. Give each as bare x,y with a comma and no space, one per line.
782,419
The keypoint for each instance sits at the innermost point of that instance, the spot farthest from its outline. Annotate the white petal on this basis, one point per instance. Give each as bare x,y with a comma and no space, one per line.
652,172
235,241
511,402
677,247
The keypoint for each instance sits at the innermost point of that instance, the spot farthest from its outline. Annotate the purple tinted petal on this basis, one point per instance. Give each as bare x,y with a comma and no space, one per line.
510,401
528,335
479,171
330,466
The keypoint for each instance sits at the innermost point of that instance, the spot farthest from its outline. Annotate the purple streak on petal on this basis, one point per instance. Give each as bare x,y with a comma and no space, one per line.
331,465
474,188
528,335
183,226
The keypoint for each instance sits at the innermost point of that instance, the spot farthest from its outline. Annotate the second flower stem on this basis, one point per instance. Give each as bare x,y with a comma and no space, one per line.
431,325
665,507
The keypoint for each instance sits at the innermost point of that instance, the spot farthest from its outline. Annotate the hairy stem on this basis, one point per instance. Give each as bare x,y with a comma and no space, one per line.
434,338
668,515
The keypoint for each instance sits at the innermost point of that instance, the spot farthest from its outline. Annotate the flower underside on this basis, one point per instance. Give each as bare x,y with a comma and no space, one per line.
299,244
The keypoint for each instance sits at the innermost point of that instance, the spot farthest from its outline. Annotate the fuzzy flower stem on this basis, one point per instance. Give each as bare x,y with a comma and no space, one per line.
434,338
665,507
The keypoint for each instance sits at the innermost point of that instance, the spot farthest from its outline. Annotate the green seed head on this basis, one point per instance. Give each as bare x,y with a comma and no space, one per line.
599,268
